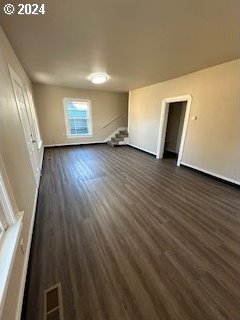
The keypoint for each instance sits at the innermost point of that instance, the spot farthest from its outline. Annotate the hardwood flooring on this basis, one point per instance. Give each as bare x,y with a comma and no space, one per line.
131,237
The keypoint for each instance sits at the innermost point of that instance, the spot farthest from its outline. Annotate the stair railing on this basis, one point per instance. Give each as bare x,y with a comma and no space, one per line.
109,122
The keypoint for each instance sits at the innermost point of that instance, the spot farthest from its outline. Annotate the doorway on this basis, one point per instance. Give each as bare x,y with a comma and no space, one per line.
173,127
175,121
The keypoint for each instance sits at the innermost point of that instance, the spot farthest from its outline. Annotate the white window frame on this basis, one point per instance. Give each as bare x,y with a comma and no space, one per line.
7,216
11,223
68,131
3,224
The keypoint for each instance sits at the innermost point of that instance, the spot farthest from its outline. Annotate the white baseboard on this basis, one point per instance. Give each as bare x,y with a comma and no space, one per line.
82,143
210,173
124,142
72,144
143,149
25,265
27,252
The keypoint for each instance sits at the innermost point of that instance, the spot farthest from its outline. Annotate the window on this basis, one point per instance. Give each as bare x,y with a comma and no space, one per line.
6,212
3,223
10,232
78,117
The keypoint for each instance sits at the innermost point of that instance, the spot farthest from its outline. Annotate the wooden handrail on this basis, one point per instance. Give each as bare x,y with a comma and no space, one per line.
102,127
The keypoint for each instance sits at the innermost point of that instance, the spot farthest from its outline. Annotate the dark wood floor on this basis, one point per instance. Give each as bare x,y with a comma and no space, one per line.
131,237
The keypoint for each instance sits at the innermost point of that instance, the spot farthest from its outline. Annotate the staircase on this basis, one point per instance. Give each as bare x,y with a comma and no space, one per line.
119,139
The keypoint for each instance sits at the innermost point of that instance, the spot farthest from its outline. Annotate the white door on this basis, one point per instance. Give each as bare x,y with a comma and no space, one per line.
22,109
34,124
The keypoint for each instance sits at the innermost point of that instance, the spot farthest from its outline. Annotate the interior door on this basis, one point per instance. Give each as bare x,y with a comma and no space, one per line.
34,124
25,121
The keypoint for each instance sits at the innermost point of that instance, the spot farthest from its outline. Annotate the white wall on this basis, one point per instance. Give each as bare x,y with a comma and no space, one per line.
212,141
105,107
16,166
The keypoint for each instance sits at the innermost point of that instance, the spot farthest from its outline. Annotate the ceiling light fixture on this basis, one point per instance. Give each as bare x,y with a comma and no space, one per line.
99,78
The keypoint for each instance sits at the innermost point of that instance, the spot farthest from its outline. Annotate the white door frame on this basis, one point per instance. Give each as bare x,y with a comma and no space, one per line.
34,124
163,125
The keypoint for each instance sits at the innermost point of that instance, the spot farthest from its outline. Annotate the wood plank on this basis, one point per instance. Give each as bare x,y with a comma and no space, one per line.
131,237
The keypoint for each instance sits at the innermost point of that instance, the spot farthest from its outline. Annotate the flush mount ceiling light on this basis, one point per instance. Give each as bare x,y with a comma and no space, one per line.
98,78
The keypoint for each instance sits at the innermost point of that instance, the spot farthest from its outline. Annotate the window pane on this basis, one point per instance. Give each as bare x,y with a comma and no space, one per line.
78,126
1,228
3,223
78,117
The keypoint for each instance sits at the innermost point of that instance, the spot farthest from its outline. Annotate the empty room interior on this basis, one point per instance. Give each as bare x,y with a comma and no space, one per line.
120,160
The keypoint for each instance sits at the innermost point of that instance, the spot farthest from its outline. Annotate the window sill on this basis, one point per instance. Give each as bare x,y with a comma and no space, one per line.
79,136
9,243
